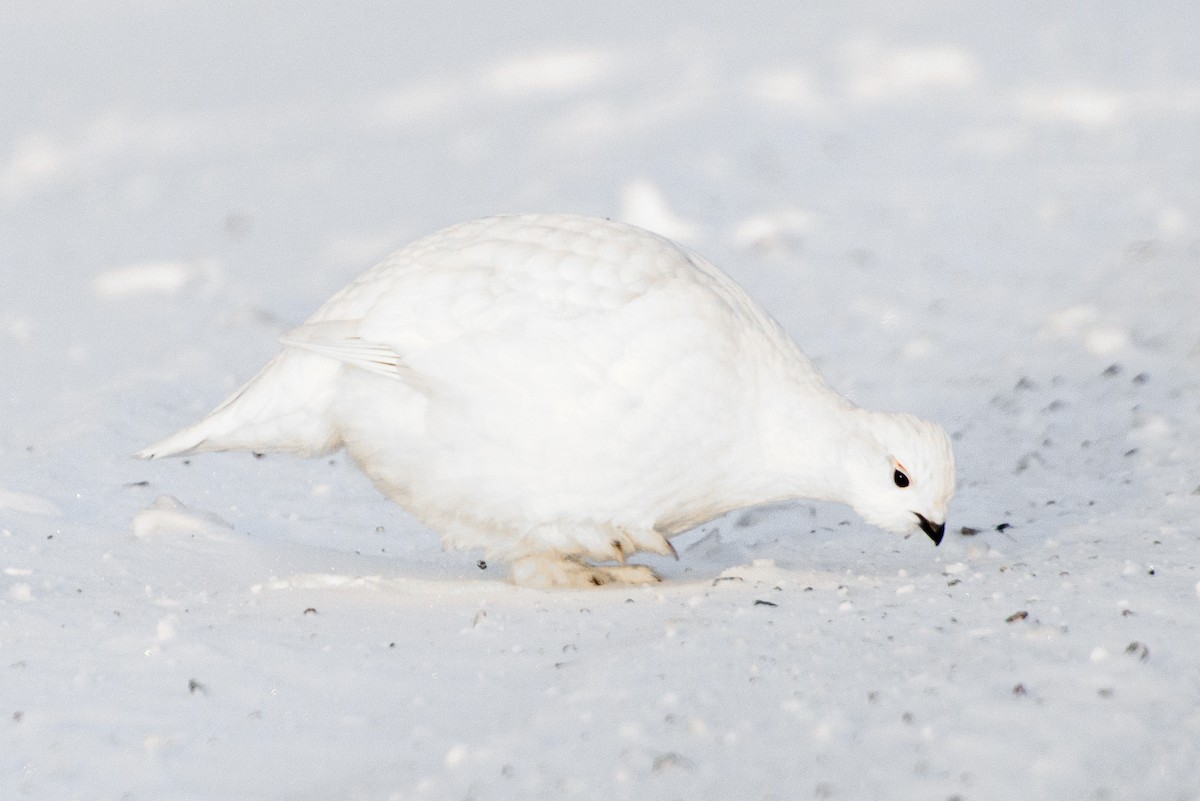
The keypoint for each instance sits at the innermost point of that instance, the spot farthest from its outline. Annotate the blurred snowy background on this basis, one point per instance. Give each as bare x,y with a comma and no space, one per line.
983,213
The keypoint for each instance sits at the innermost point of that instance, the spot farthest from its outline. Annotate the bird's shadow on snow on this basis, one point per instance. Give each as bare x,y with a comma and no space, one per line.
783,545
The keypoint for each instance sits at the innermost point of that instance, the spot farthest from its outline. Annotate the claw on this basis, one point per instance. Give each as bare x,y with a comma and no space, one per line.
619,549
663,547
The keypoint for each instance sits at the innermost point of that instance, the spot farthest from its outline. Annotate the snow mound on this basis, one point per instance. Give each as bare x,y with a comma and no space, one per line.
167,515
28,504
150,278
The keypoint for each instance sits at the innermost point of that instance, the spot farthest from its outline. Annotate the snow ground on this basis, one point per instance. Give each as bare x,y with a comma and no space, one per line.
983,213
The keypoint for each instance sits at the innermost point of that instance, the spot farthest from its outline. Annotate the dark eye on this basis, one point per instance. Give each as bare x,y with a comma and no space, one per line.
900,479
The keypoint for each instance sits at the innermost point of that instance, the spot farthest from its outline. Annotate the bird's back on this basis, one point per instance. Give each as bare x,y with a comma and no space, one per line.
554,365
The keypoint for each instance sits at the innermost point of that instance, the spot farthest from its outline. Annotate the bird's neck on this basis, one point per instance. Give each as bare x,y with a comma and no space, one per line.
807,447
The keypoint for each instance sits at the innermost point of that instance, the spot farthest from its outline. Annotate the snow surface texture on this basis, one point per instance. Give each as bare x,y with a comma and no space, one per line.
988,218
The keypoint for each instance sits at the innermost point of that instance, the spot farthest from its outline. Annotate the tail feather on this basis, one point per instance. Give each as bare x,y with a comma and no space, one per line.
283,408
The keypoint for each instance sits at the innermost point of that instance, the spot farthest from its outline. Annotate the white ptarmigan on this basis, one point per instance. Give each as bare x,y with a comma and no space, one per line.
561,390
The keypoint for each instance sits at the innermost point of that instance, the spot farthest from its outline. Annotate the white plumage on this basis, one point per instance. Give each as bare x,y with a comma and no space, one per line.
559,390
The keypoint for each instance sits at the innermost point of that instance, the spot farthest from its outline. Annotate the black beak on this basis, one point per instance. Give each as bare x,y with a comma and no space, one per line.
934,530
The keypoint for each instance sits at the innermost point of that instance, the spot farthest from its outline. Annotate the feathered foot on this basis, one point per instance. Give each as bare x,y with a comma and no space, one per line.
549,571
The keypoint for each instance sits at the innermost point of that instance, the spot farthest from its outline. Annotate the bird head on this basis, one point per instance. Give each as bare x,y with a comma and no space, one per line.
903,479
